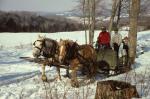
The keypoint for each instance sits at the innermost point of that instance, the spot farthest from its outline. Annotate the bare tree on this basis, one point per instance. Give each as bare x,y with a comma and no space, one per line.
134,13
89,8
31,22
84,16
145,8
92,20
115,7
82,7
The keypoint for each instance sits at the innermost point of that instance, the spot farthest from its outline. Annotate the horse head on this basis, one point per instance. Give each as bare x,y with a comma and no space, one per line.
37,46
67,50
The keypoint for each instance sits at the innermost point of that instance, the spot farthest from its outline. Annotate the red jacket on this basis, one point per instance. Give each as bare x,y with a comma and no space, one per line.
104,38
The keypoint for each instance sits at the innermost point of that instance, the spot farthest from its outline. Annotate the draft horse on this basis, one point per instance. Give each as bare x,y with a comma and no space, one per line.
77,57
47,48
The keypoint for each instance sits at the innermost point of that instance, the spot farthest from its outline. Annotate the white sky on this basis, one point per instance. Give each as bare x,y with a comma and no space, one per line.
37,5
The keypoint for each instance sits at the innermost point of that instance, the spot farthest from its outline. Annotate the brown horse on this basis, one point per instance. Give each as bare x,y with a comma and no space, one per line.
47,48
78,57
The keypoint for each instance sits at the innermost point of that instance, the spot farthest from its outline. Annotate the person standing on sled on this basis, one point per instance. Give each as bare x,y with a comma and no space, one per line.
124,51
103,40
116,41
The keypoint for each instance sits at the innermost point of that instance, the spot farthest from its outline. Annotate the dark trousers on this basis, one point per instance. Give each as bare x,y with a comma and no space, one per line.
116,48
127,50
104,46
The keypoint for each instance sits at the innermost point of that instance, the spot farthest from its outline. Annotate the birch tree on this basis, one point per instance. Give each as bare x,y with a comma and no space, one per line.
89,13
115,7
92,23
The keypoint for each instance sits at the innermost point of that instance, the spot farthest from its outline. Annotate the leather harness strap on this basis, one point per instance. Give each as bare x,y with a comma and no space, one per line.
40,49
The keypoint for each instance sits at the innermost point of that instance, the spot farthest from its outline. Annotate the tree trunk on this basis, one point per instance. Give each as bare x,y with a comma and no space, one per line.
118,13
84,15
89,19
92,21
112,89
114,10
134,12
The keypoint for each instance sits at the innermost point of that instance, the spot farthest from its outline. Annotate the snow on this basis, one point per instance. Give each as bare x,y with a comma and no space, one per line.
22,79
15,39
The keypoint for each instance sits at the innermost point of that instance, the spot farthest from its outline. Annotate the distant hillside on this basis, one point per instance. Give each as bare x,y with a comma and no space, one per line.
33,22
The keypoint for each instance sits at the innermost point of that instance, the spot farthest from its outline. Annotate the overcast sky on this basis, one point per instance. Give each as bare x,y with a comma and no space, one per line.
37,5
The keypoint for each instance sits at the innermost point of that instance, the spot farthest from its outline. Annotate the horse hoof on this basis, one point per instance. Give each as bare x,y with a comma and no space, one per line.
44,78
58,79
75,84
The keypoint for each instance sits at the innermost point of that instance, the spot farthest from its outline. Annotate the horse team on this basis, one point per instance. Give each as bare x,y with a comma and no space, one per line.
68,53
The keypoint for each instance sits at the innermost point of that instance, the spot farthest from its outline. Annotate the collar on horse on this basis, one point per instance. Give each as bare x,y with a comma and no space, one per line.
71,50
81,58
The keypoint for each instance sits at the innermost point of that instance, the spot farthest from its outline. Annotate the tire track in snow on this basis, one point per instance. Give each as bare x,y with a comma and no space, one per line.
16,78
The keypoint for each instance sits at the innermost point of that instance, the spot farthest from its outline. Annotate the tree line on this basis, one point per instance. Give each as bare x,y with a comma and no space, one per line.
32,22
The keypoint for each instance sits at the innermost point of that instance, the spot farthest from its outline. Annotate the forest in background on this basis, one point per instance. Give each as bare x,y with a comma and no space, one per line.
32,22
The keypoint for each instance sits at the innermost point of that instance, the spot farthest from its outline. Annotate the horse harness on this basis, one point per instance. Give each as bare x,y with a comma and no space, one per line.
40,49
51,50
73,52
82,59
47,52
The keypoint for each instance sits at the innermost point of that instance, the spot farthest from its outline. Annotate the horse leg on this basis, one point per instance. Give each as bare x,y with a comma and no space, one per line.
67,73
44,78
88,71
83,70
58,73
91,71
74,81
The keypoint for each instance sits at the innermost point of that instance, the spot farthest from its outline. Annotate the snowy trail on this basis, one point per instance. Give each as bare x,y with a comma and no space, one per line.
13,69
15,78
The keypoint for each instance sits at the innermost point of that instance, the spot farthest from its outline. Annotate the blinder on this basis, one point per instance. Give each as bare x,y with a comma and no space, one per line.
40,49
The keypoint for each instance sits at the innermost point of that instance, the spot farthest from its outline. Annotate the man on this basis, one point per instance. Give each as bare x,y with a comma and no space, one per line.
116,41
124,47
123,50
103,39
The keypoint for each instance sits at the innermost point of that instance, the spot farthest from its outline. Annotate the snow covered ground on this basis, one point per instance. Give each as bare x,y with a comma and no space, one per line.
21,79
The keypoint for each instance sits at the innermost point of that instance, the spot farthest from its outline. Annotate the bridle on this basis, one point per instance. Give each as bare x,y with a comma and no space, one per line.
61,49
40,49
74,52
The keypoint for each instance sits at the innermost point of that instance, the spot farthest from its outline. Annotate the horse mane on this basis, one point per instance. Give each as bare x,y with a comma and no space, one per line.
71,48
49,47
67,42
